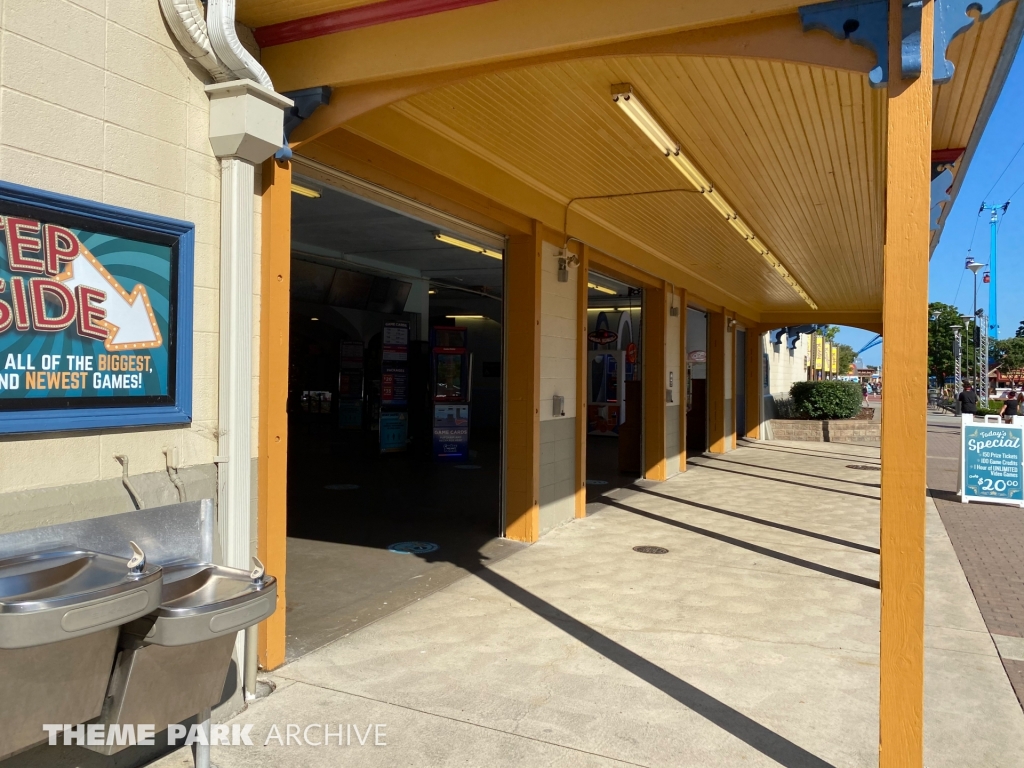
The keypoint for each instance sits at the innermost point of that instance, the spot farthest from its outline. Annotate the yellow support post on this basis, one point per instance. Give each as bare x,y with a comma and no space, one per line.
716,382
272,462
683,317
754,395
581,380
904,399
522,383
655,381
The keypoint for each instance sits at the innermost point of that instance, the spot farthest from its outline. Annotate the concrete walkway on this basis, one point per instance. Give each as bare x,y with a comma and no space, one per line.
752,642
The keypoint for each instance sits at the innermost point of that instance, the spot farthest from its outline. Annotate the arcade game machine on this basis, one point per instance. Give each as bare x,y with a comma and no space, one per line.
451,368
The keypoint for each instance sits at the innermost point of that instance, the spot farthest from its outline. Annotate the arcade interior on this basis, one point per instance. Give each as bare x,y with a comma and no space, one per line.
394,407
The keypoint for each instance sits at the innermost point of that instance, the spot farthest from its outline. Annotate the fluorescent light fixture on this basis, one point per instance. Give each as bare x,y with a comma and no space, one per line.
720,205
431,292
689,170
601,288
465,317
442,237
314,319
298,189
740,226
624,96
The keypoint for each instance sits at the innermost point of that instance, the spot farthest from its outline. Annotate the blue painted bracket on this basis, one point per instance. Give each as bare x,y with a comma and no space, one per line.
951,20
307,101
777,335
793,333
866,23
940,194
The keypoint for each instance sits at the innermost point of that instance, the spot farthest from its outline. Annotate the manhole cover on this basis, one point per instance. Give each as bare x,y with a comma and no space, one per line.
467,466
649,550
865,467
342,487
597,482
413,547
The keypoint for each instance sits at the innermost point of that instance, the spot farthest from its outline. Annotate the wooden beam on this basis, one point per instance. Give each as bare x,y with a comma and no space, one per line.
683,318
868,320
904,401
508,32
272,461
780,38
752,385
522,386
582,295
716,382
655,381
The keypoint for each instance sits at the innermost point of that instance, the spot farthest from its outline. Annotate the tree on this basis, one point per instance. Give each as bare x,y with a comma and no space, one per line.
1020,330
1008,357
845,357
941,317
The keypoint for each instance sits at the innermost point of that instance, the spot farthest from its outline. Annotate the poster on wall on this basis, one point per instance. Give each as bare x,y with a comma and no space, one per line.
992,461
95,315
835,360
819,348
451,431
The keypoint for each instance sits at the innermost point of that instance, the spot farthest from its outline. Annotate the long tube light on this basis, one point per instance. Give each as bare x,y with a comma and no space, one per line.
441,236
601,288
624,96
298,189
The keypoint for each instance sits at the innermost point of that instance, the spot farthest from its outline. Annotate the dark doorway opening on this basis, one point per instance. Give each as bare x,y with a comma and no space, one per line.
614,368
395,411
696,382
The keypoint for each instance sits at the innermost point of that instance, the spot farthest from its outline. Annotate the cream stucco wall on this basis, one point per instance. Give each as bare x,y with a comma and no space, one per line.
97,102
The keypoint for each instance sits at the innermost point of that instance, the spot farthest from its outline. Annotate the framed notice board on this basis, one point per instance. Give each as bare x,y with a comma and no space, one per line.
95,315
992,461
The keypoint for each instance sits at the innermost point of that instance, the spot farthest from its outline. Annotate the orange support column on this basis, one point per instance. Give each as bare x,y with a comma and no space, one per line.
683,317
754,395
275,282
582,326
522,387
716,382
904,401
655,382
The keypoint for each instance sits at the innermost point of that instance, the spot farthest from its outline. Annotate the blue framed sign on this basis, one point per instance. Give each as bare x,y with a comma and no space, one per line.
992,461
95,315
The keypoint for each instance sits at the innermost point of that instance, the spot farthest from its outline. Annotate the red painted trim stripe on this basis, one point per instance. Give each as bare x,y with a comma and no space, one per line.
946,155
354,18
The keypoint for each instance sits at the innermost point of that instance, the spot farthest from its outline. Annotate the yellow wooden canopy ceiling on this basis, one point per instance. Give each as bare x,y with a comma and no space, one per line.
796,150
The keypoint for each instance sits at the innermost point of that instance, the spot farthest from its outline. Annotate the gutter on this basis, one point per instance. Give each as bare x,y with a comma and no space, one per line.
246,128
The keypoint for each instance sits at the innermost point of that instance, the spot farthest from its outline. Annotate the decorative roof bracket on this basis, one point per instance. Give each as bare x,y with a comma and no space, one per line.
307,101
866,23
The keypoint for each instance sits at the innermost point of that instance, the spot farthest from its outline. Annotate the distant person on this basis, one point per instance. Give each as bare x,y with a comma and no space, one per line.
1011,407
968,400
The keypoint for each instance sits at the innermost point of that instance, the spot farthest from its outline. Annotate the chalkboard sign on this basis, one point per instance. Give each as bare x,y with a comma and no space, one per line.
992,462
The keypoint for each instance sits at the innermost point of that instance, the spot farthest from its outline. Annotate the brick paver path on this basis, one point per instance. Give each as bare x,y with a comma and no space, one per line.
989,540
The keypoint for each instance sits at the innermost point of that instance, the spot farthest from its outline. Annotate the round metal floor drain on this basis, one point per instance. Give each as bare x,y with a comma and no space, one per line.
413,547
597,482
649,550
865,467
467,466
342,487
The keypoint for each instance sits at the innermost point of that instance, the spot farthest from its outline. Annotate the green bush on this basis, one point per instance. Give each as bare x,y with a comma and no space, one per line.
827,399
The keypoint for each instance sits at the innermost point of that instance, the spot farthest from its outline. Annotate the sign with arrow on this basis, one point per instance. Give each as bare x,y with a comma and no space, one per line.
91,314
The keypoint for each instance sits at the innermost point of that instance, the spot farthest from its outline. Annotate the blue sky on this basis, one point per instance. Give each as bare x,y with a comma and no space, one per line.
949,282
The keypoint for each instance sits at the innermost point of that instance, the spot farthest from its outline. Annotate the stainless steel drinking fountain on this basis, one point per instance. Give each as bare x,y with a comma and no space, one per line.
60,610
172,663
91,631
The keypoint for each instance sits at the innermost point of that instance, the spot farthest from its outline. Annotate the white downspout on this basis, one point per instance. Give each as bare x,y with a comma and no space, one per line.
246,126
